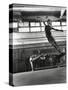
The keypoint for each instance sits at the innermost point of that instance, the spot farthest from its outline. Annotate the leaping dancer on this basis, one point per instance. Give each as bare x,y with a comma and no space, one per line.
49,36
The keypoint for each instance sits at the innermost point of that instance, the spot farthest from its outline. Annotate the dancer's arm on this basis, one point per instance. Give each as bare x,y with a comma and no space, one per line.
33,59
44,23
56,29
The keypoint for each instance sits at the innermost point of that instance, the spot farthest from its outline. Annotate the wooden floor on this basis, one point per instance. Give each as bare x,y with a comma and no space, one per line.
49,76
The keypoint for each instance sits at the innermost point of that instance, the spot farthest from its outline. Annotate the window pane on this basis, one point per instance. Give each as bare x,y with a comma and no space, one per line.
32,24
55,23
13,25
23,29
20,24
63,23
43,29
64,28
35,24
35,29
42,24
23,24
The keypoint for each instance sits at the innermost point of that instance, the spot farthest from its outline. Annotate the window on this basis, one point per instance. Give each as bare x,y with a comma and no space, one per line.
35,29
64,28
55,23
42,28
63,23
23,26
59,26
27,26
42,24
33,26
13,25
24,29
36,26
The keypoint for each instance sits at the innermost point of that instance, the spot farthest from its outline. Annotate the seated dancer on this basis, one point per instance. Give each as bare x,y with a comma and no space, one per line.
34,57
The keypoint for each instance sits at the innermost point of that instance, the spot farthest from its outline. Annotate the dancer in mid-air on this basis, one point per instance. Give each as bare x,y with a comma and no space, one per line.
49,36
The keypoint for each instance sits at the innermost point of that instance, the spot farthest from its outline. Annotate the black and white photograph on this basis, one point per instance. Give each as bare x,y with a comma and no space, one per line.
37,44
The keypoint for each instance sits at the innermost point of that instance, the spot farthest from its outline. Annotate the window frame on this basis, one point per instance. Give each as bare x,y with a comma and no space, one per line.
29,27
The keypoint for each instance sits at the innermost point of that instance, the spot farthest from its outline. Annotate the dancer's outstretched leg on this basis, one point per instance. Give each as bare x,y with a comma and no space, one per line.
53,42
